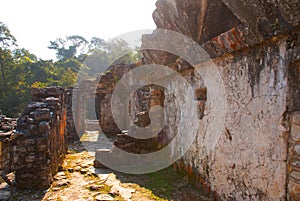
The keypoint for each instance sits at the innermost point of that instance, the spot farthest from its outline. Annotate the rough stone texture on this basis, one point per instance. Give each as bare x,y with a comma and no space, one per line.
294,151
7,124
294,163
40,149
255,49
137,146
105,88
7,137
79,95
139,105
249,161
71,133
222,26
6,153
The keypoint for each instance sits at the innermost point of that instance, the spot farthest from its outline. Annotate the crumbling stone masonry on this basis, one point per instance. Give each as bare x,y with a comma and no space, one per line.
105,88
71,132
7,127
41,145
7,124
139,105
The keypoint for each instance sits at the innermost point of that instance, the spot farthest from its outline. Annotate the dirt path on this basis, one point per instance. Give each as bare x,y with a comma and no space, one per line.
78,180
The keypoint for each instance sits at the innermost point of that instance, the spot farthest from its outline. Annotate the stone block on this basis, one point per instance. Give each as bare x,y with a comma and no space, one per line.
30,120
52,101
42,114
100,155
44,127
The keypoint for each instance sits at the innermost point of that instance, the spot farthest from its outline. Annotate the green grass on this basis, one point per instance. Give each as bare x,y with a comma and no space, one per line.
158,185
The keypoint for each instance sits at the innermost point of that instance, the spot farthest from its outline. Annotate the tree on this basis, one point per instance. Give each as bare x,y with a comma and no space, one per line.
69,47
103,54
97,44
72,63
68,78
77,59
6,41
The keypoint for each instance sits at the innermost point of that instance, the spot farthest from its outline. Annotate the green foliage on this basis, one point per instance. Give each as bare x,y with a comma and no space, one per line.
68,48
20,70
68,78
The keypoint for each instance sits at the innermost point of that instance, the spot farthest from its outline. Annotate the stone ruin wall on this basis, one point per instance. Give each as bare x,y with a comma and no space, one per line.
7,127
139,106
42,138
257,56
71,131
249,160
294,136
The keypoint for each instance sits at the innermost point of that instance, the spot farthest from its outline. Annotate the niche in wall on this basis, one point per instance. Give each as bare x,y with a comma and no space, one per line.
200,95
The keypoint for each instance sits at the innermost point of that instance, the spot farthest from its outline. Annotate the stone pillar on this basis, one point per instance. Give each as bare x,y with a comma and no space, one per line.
201,97
80,112
71,133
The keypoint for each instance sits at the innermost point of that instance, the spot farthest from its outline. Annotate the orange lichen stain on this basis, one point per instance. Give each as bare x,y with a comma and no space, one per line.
208,189
232,44
63,124
234,40
190,171
232,37
236,35
191,175
218,42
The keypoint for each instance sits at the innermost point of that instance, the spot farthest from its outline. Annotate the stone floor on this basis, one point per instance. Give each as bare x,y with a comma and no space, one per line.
92,141
78,180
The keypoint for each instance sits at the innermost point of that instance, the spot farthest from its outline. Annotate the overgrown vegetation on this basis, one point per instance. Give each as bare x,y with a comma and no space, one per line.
20,70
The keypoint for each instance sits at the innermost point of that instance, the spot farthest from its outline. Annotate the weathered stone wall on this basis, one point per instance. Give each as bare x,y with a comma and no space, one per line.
294,163
294,137
253,52
40,149
7,127
249,161
71,132
7,124
104,93
105,88
136,146
6,156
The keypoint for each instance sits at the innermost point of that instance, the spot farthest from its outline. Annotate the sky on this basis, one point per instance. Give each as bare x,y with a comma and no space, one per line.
35,22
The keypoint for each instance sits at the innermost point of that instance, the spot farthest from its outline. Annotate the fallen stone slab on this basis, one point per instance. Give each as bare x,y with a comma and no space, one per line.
104,197
101,154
